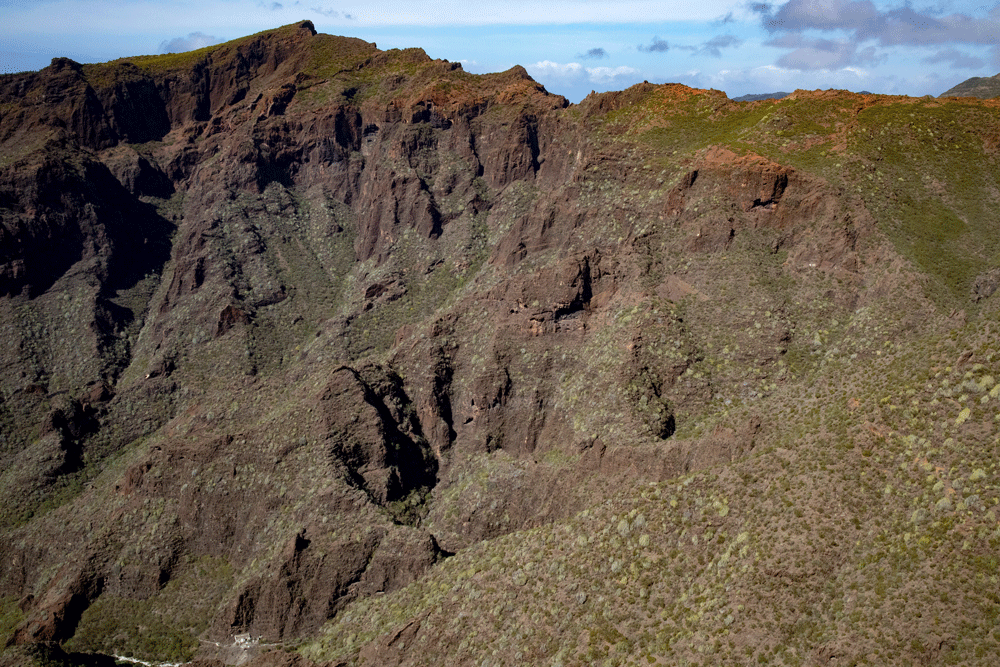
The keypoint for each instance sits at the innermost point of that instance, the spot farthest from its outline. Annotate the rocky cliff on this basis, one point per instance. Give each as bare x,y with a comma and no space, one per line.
296,329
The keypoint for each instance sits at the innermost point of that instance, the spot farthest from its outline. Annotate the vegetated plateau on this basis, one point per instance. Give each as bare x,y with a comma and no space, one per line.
367,360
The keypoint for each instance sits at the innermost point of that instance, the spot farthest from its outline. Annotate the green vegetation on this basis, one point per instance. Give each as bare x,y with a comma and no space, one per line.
929,185
685,567
711,388
925,178
978,86
110,72
10,617
859,496
164,626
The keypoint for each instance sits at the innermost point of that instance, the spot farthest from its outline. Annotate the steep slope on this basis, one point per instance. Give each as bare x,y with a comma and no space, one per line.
297,330
984,87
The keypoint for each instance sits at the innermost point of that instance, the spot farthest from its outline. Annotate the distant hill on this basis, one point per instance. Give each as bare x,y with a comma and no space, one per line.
760,96
774,96
983,87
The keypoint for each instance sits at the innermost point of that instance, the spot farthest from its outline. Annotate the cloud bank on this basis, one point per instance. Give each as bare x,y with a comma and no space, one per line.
576,74
866,32
956,59
714,46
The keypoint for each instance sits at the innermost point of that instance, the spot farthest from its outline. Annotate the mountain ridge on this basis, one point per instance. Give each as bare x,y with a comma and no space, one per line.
342,345
978,86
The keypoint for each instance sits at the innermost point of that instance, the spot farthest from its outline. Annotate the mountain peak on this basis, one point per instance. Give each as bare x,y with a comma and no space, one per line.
977,86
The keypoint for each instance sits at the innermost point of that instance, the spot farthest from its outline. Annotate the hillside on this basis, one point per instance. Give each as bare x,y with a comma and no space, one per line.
983,87
385,363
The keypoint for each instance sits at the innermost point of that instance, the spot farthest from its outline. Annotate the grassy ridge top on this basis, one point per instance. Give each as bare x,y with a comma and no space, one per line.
219,53
342,70
925,168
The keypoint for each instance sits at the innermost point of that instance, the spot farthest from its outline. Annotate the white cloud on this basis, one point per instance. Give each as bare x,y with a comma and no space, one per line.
609,74
195,40
547,68
546,72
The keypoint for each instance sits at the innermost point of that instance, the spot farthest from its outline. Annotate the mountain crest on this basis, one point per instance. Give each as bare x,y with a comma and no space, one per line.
977,86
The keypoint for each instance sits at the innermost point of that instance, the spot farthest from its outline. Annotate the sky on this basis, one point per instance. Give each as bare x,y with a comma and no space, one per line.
572,47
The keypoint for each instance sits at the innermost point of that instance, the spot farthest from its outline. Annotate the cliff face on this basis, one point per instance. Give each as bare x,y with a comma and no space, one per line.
290,320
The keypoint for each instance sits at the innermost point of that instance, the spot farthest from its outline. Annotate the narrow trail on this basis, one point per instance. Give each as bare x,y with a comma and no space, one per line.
137,661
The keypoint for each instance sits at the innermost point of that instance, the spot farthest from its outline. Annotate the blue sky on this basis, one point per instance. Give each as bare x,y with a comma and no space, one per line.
570,46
